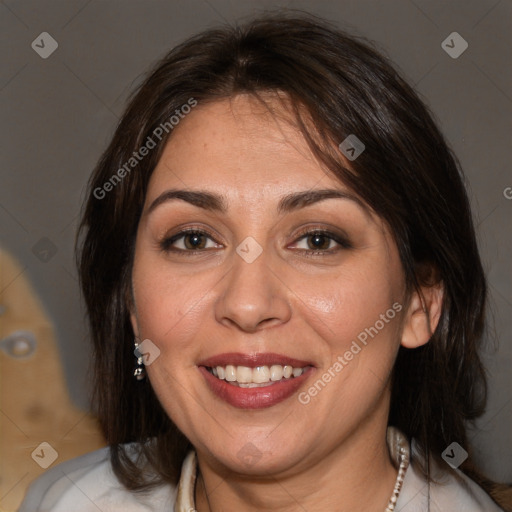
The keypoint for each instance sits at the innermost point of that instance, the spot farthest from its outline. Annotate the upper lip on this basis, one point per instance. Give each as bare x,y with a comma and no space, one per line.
253,360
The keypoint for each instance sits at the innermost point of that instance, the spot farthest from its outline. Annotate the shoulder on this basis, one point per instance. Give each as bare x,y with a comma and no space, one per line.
87,483
447,493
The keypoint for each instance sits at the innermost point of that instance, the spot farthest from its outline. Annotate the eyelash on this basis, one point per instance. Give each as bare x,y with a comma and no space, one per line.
343,243
166,243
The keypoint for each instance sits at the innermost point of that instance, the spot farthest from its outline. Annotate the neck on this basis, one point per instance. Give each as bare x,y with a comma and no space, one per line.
357,476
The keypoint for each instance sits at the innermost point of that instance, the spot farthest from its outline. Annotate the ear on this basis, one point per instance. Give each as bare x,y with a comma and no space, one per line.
422,315
134,322
130,304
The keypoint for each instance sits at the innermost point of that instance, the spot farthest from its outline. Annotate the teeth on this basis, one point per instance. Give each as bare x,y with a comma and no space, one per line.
243,374
260,374
230,373
276,372
247,377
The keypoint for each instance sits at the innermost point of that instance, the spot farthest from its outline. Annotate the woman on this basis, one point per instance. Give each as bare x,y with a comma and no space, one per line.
284,289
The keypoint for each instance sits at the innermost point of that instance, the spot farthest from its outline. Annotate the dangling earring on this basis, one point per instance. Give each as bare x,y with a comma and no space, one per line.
140,371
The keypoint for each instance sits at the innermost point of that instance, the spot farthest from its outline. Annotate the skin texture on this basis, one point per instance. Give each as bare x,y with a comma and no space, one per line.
329,454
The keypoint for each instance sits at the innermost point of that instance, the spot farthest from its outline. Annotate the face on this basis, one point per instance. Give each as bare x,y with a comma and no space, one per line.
273,294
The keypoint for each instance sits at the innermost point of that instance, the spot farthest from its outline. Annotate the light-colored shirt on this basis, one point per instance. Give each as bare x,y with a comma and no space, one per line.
88,484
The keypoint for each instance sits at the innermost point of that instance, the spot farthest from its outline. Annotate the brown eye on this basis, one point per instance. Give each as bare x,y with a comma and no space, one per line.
189,241
194,241
318,241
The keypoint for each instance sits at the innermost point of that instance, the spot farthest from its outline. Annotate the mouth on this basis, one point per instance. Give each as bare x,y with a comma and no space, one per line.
260,376
254,381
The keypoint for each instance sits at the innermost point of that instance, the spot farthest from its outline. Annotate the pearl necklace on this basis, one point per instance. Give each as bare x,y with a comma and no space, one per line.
398,445
398,448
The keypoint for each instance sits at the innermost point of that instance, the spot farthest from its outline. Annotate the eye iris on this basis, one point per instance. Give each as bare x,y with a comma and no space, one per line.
195,241
318,241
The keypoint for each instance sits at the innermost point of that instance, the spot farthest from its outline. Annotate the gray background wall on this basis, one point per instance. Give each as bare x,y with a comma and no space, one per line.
58,114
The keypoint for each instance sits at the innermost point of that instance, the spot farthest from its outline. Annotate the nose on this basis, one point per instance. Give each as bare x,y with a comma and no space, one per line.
252,296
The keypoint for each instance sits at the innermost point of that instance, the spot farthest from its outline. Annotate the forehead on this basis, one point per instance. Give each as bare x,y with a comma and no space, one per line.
252,157
239,143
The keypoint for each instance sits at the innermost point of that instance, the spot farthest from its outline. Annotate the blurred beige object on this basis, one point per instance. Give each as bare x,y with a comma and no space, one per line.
35,406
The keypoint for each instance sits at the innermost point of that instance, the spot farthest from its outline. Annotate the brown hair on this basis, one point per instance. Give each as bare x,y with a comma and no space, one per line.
340,85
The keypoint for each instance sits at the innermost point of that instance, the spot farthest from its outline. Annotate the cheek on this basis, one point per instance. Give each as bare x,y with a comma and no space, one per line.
170,306
170,312
351,303
357,317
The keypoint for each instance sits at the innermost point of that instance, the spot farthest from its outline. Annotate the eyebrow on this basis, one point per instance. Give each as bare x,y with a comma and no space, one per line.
217,203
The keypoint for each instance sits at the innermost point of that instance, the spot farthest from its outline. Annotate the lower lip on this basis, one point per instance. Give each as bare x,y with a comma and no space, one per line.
254,398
